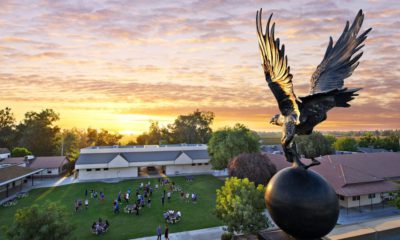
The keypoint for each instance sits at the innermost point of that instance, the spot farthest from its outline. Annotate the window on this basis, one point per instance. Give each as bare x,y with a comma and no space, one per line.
48,171
371,195
88,170
206,163
341,197
199,164
356,198
105,169
193,164
98,169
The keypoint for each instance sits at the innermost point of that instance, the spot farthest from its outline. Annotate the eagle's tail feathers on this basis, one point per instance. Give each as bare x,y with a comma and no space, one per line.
344,96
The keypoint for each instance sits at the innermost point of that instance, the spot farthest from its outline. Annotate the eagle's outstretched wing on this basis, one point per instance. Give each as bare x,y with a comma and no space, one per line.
338,62
277,72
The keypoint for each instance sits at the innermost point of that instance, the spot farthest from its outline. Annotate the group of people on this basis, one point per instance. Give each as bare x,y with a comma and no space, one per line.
159,232
100,226
144,193
143,198
186,196
189,178
132,208
172,216
78,204
95,194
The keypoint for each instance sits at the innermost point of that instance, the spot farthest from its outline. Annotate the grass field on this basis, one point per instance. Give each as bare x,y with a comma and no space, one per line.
126,226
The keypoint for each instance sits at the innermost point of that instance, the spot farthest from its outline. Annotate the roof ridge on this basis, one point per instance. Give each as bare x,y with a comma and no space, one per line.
343,175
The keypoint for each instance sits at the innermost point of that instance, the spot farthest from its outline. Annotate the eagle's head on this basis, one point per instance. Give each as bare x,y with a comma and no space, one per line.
278,120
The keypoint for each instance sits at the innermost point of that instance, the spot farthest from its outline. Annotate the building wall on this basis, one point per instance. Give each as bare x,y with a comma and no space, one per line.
127,172
50,172
5,155
187,168
364,201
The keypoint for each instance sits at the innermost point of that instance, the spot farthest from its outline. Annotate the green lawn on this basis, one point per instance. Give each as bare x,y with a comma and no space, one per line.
127,226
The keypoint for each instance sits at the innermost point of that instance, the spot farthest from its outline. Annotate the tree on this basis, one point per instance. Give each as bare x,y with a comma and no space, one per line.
7,128
367,140
69,145
396,201
20,152
230,142
390,141
156,135
240,205
38,133
102,138
315,145
34,223
257,167
192,128
346,144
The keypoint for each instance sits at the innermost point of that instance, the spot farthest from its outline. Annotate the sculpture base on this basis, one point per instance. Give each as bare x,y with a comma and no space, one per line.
276,235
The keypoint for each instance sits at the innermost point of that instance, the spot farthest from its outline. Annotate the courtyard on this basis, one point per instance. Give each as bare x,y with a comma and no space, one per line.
123,225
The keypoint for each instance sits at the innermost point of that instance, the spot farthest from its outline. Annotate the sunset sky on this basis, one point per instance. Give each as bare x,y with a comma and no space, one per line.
119,64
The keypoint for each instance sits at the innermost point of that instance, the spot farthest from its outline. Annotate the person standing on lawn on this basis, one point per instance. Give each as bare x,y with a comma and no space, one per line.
166,233
169,196
159,232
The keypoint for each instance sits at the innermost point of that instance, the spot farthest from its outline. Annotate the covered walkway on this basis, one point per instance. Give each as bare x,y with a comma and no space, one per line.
14,178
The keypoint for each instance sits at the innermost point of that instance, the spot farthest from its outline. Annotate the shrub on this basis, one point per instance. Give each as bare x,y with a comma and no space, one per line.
257,167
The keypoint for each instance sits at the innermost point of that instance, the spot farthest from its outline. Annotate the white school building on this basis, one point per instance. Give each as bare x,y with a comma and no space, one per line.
108,162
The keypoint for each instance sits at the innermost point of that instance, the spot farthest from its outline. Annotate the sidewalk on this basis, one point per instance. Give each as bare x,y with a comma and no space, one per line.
201,234
354,215
51,182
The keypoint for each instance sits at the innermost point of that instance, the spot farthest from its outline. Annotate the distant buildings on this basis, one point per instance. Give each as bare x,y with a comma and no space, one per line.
370,150
51,166
110,162
16,172
274,149
4,153
277,149
358,179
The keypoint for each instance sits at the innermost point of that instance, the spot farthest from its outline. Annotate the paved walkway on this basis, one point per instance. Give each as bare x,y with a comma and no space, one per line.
201,234
354,215
51,182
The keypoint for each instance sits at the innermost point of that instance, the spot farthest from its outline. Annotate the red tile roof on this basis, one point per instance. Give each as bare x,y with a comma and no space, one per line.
367,188
48,162
381,164
355,174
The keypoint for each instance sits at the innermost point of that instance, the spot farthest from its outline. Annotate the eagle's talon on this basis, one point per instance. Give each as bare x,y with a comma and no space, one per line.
313,163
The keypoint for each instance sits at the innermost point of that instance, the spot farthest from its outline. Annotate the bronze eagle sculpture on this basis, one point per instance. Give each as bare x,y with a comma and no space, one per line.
299,115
